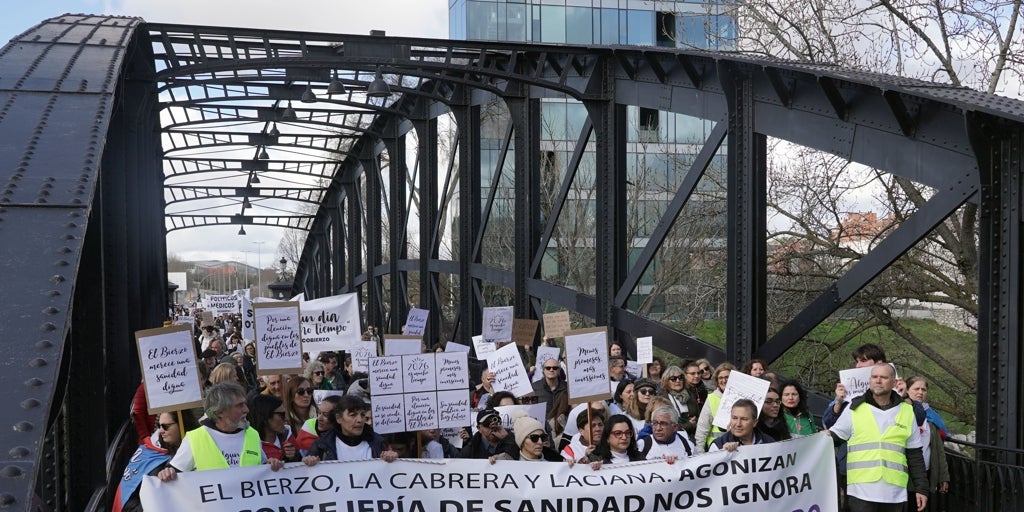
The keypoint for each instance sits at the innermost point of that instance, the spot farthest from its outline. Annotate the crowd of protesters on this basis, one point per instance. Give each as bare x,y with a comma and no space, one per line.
664,413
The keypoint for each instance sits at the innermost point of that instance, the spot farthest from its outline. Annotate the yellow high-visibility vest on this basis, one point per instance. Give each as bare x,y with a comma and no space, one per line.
208,456
872,455
713,402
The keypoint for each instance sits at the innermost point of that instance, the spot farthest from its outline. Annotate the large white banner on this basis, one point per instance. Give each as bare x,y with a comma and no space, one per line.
797,476
330,323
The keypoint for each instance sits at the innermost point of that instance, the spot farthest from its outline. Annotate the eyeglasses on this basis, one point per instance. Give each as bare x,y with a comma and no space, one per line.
675,378
281,414
535,438
166,426
620,433
772,401
646,391
661,424
318,374
550,368
304,391
704,369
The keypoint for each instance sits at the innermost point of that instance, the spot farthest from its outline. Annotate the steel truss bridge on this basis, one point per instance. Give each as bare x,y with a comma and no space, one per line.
115,131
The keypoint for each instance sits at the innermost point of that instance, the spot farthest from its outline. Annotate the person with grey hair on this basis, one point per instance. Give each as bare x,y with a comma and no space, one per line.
665,441
314,371
224,439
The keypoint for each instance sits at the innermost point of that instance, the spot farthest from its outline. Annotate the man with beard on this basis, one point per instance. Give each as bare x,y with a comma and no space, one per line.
224,439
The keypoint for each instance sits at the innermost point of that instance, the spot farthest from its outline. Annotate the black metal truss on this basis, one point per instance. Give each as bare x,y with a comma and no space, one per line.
84,99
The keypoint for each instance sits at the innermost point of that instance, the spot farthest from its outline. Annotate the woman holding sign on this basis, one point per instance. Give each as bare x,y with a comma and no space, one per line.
152,456
349,438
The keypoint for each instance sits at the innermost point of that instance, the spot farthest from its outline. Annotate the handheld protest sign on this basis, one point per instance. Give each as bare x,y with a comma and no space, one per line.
362,352
740,386
452,346
416,322
402,344
278,338
169,368
586,357
484,349
856,380
330,323
452,370
386,375
222,304
556,324
645,350
453,409
509,372
524,331
418,373
388,413
421,411
498,323
248,320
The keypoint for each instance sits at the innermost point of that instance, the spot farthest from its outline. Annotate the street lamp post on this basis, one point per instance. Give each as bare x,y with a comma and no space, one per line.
259,267
247,270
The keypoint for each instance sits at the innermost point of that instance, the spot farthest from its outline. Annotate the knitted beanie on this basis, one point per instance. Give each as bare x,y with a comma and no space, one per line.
523,425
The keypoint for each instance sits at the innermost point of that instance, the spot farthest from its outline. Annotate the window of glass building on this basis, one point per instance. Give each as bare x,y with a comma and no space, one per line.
578,24
482,20
639,27
552,24
665,29
515,22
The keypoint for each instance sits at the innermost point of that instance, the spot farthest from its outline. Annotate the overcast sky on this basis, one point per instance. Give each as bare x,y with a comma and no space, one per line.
411,18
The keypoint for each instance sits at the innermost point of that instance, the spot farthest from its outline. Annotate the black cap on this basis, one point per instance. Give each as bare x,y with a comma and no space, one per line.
488,417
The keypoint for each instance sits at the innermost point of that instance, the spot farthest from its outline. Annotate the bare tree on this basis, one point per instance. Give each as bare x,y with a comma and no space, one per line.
971,44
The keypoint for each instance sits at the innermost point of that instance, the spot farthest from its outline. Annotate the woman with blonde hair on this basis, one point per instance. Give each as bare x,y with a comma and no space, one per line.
706,432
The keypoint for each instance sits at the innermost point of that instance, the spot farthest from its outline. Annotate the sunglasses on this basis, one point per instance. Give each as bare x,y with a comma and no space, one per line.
705,369
646,391
535,438
318,374
166,426
550,368
675,378
304,391
620,433
282,414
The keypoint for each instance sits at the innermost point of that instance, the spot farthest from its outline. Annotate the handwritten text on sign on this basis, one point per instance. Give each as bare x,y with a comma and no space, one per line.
795,475
586,356
278,338
169,368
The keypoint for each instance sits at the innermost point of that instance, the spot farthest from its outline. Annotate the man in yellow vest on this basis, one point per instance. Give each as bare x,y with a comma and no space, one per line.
884,447
224,439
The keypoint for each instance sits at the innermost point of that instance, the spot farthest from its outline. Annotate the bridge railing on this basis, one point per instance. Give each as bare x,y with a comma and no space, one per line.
994,483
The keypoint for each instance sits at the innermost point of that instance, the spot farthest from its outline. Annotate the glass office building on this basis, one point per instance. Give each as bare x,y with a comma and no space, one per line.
660,148
606,22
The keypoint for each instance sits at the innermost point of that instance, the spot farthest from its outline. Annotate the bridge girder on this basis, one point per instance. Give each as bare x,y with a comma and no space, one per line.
86,123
